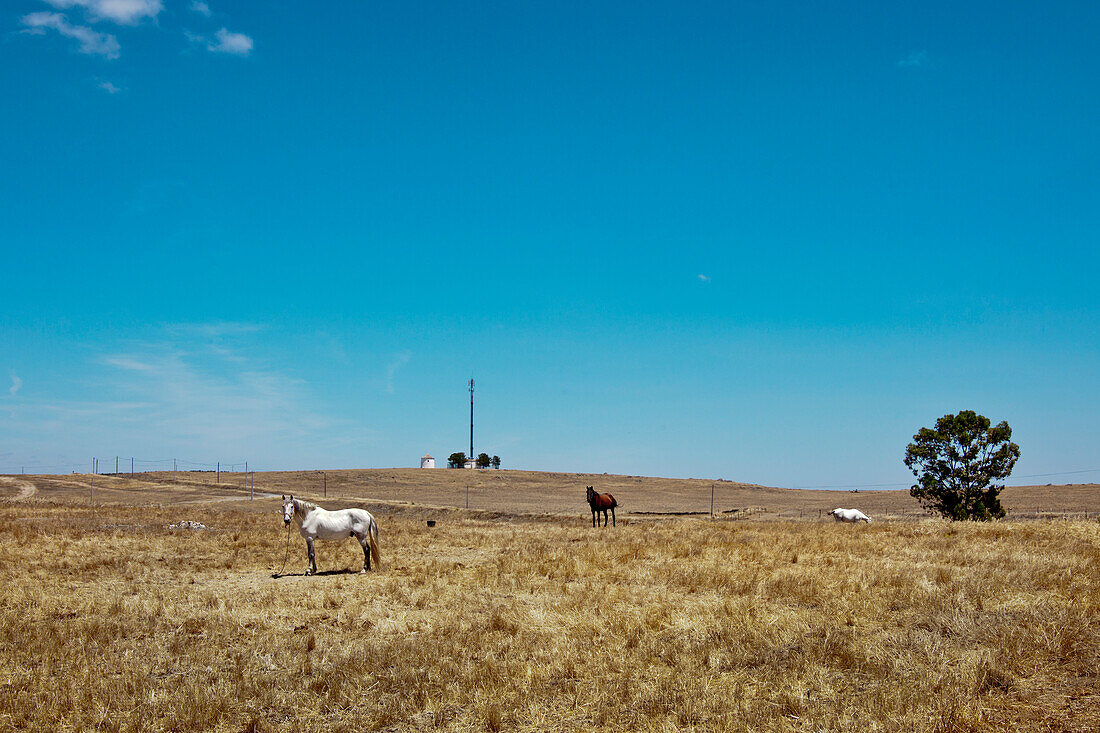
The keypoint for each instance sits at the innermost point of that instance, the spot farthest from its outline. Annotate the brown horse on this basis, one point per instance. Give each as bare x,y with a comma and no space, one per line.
601,503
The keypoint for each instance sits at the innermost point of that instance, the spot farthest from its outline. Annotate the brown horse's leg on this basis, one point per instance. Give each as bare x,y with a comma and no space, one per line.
613,517
594,520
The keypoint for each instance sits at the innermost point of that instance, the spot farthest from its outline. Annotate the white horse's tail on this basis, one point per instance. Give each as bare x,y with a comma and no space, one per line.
372,538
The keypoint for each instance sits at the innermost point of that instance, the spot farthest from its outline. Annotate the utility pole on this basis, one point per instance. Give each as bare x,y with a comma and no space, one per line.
131,465
472,418
116,465
218,477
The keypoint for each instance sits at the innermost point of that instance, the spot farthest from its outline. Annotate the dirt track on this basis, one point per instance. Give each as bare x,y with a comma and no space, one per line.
26,488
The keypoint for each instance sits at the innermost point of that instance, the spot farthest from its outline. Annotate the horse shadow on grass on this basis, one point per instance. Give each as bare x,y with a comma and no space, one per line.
318,574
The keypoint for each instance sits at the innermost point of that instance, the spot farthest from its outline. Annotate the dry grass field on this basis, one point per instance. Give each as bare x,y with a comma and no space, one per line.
529,492
517,615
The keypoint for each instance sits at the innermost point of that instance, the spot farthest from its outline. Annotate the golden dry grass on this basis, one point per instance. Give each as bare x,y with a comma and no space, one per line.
110,621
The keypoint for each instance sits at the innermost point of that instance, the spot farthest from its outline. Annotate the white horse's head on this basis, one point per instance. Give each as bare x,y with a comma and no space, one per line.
288,509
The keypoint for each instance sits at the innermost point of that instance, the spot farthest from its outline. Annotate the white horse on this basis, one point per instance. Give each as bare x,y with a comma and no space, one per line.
850,515
317,523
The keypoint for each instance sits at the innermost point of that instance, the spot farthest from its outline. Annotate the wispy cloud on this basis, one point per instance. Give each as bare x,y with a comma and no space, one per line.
217,329
703,278
91,42
16,384
399,360
914,59
187,391
128,363
123,12
178,393
108,87
228,42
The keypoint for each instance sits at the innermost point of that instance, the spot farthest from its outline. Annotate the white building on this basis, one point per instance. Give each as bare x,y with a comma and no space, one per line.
427,462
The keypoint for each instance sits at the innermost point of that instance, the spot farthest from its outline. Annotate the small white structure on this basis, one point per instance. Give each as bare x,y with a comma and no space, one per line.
427,462
471,463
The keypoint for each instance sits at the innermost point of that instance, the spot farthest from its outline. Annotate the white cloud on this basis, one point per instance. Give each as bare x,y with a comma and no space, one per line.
16,384
914,59
91,42
229,42
201,8
108,87
703,278
124,12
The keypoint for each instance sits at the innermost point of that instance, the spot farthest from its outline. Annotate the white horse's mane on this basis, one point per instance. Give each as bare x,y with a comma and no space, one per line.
304,506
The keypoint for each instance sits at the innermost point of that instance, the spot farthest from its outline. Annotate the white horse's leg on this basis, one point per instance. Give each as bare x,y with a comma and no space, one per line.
312,560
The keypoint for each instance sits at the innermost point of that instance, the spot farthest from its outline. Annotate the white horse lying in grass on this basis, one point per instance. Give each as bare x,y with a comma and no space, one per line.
317,523
849,515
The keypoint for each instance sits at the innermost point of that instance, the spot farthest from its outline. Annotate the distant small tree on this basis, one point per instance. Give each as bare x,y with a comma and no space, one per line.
483,460
456,460
496,461
959,463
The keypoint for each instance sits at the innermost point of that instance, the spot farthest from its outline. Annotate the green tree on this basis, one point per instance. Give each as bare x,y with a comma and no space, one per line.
483,460
959,464
496,461
457,460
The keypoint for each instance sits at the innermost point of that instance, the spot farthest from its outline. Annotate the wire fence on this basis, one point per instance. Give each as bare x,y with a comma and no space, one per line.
117,465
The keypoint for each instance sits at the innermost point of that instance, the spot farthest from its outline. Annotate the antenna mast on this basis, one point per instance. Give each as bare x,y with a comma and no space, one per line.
471,418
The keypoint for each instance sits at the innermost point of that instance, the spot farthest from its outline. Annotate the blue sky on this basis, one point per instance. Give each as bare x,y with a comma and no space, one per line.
762,241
